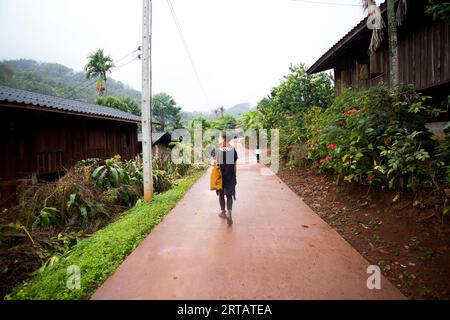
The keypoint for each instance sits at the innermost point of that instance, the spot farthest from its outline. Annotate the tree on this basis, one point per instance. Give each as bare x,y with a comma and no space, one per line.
297,93
250,120
200,119
165,111
219,112
125,103
227,122
6,74
395,18
98,66
439,11
58,80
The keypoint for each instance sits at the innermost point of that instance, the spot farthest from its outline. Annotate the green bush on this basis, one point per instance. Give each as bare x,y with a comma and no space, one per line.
443,155
375,136
284,109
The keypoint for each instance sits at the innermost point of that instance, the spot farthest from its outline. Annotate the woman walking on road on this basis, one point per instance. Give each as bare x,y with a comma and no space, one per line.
226,157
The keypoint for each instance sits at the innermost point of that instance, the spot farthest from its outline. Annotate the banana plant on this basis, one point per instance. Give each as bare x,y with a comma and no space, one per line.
111,174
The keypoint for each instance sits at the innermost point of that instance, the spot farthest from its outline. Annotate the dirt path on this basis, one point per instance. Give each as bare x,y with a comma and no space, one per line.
278,248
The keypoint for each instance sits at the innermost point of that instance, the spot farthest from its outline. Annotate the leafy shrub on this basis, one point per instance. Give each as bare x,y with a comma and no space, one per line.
52,217
443,155
375,136
284,109
111,174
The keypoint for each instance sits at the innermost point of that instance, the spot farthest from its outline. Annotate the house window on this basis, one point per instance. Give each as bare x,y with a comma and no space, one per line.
363,69
376,64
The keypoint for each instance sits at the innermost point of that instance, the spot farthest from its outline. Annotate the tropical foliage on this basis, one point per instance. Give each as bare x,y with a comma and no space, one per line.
439,10
52,217
376,136
284,109
99,64
95,255
372,137
225,122
165,111
57,80
124,103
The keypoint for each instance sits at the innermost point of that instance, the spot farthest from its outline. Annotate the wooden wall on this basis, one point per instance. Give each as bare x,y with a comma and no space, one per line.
424,57
48,142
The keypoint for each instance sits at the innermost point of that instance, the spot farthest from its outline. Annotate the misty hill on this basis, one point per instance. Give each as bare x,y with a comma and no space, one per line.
239,109
56,79
235,111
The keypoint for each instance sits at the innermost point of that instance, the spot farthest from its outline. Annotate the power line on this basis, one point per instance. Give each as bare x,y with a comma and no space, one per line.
114,70
328,3
186,47
129,54
125,64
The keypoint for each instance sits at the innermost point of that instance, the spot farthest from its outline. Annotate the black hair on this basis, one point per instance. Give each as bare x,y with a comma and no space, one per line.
225,136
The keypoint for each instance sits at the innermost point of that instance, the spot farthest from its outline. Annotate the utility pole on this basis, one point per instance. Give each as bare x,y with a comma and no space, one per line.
146,100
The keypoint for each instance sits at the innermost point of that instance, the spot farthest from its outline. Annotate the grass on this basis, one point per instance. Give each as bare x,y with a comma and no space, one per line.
100,255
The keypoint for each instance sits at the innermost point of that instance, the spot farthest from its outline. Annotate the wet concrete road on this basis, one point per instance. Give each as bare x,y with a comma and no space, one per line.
277,248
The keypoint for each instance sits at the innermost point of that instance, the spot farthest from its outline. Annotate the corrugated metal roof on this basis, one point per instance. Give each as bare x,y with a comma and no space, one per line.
51,102
156,136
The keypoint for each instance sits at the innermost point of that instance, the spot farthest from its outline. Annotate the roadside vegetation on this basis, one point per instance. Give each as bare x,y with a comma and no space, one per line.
99,255
53,218
376,137
367,164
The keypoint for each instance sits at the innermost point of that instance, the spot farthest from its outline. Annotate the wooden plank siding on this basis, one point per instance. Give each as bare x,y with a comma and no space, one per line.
40,142
424,57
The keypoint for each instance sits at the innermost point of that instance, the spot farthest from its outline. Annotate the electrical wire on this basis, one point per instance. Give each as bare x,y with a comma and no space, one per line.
112,71
125,64
129,54
186,47
328,3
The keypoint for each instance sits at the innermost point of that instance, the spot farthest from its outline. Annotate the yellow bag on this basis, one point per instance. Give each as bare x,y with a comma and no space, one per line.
216,178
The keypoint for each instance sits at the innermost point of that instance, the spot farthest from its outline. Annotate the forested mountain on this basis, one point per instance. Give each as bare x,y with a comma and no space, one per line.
56,79
235,111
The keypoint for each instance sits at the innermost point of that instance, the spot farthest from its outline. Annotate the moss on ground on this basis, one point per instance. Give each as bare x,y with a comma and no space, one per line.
100,255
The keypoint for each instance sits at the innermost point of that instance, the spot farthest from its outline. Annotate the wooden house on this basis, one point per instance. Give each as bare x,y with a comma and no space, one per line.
41,136
424,55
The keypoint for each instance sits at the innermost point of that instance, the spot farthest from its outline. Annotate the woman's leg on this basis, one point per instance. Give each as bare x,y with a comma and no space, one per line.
229,202
229,208
222,200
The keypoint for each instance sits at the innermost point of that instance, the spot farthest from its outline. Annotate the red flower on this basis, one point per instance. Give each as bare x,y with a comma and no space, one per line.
332,146
325,160
370,178
350,112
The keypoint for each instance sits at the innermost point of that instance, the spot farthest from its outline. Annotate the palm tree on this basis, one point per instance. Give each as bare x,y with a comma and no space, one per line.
219,112
395,18
98,66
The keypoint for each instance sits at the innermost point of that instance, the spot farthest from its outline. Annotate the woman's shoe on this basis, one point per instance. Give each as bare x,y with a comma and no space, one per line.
229,218
223,215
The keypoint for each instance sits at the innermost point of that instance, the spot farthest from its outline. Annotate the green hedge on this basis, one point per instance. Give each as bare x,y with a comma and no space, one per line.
100,255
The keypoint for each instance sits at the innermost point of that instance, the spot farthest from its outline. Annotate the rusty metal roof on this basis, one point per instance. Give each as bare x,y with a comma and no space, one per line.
43,102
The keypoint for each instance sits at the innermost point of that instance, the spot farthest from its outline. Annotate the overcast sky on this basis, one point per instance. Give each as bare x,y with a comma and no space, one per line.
241,48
